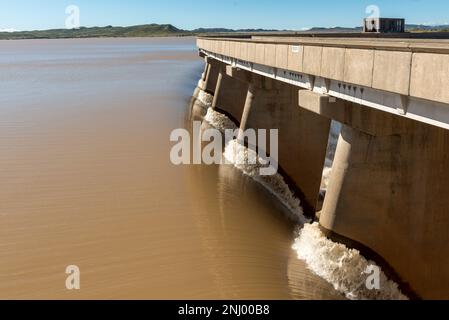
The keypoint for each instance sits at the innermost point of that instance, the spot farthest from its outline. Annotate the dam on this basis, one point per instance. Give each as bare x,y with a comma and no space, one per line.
387,190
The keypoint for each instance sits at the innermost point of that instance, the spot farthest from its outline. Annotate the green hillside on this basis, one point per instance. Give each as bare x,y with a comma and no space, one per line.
148,30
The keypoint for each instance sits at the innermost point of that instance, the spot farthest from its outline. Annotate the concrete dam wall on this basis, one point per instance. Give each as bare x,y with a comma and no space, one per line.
386,193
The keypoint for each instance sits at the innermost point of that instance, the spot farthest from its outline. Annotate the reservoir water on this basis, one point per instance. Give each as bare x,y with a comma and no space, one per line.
86,180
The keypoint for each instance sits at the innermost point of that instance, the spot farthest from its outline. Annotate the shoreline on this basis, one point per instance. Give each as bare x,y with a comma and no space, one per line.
84,38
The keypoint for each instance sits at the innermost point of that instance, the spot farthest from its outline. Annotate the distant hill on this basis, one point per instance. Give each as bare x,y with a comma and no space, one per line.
148,30
408,27
225,30
420,27
163,30
335,30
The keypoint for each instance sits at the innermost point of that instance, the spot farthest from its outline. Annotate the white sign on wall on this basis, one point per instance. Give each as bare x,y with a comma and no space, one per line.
295,49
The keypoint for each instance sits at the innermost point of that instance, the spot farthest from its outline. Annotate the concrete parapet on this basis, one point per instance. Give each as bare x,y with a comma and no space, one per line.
392,71
251,52
260,53
408,67
312,60
295,58
429,79
333,63
359,66
227,48
282,56
244,51
270,55
232,49
238,50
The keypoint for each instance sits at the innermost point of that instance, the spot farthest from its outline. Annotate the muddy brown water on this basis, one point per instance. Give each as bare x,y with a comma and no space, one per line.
86,180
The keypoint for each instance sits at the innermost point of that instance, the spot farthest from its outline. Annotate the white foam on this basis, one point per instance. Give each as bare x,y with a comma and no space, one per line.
219,120
205,98
342,267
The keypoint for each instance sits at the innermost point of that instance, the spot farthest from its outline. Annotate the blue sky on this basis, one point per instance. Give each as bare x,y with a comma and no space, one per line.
187,14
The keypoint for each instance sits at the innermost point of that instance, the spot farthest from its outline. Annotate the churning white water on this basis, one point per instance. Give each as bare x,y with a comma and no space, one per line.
205,98
344,268
219,120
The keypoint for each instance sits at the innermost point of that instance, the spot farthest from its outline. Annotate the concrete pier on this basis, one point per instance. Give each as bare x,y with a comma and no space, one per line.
212,71
389,193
